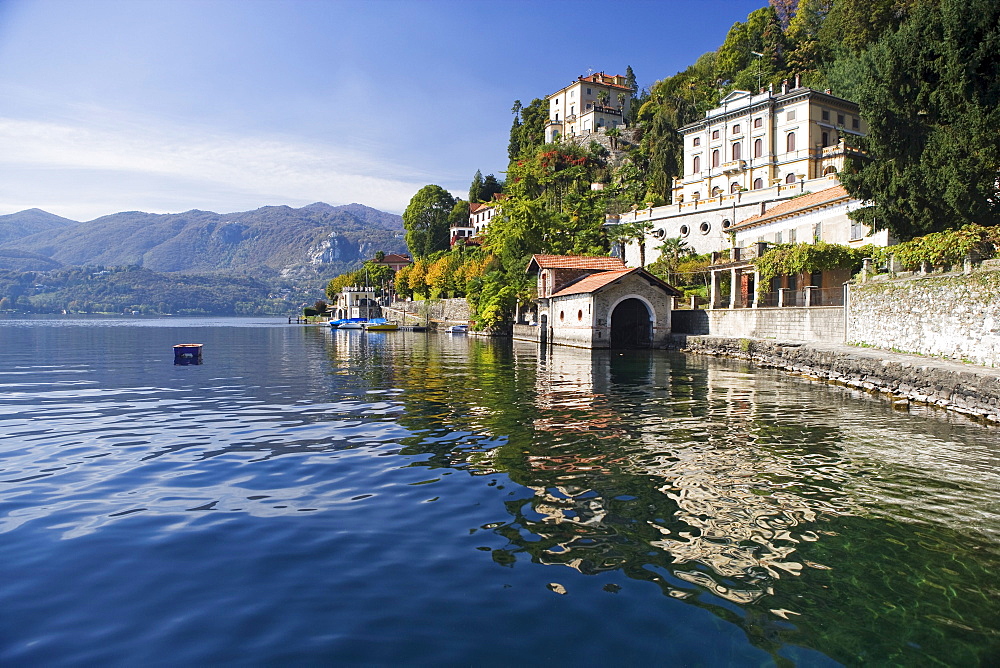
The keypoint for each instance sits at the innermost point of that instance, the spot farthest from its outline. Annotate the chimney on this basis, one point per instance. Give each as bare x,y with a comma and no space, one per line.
797,81
784,86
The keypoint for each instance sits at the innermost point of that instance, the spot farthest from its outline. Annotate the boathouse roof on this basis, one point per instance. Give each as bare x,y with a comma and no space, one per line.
575,262
595,282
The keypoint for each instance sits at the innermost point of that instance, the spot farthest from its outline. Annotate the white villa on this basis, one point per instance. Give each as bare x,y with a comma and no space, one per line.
480,216
748,156
589,103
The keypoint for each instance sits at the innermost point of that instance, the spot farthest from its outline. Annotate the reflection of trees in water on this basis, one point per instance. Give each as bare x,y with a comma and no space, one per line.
680,472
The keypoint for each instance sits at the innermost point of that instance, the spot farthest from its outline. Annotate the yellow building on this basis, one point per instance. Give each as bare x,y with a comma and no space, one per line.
751,142
587,105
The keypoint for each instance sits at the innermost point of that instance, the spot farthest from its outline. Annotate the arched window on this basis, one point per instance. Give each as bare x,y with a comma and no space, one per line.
696,165
830,170
696,195
758,148
790,142
716,191
758,184
734,188
757,122
790,178
715,158
737,150
696,141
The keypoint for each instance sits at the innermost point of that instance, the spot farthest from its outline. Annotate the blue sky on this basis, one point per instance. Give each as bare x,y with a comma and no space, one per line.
171,105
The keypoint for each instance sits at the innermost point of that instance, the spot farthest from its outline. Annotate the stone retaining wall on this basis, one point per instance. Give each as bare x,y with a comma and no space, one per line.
904,378
952,315
814,323
450,310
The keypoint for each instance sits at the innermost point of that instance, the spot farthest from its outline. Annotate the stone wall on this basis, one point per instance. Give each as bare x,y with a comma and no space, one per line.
815,323
451,310
949,315
966,389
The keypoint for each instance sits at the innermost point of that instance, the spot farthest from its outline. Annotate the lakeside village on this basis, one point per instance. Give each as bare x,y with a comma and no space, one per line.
757,252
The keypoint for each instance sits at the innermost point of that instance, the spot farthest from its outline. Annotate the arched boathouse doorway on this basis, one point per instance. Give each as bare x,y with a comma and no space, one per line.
631,324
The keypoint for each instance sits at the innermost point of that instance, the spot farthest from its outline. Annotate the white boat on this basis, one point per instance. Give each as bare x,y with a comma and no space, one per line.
352,325
457,329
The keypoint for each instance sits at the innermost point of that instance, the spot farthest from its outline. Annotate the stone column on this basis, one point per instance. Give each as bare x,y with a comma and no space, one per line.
810,290
713,291
866,269
734,287
781,296
756,288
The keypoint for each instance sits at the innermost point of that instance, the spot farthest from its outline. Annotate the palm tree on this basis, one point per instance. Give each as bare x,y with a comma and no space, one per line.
673,250
613,134
602,97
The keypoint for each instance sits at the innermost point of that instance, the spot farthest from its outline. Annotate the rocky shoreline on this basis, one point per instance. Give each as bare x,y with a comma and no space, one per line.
964,388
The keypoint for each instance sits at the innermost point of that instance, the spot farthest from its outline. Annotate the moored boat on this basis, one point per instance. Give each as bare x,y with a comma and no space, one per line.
380,325
457,329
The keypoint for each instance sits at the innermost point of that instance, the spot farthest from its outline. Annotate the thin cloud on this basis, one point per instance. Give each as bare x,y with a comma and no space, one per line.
267,169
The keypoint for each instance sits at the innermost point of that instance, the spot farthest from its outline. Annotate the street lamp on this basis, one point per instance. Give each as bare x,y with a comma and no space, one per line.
760,56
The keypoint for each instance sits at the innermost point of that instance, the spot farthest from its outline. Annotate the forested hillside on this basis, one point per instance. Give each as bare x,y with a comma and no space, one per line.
276,240
265,261
925,73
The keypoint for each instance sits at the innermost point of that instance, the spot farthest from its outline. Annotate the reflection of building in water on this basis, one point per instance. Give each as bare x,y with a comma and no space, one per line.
724,515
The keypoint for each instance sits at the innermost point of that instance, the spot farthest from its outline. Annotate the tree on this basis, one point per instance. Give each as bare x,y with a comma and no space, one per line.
931,97
672,250
476,189
491,187
614,134
426,220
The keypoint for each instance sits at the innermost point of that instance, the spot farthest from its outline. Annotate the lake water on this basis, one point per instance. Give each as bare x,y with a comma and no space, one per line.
311,497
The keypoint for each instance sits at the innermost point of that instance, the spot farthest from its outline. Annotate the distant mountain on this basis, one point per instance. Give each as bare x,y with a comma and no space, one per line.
318,239
31,221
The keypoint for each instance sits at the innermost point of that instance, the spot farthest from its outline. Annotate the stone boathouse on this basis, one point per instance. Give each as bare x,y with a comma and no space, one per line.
597,302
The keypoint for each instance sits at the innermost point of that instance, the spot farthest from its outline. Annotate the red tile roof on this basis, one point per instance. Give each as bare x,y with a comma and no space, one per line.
594,282
395,258
796,205
576,262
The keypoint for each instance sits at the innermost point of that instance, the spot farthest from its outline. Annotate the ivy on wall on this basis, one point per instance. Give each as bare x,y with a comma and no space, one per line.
939,249
791,259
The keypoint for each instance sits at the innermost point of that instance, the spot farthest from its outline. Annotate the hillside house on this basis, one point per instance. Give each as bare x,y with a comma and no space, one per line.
587,105
747,156
480,216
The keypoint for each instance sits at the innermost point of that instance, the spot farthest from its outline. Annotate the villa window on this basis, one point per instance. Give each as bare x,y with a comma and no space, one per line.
758,148
579,315
737,151
696,195
715,158
588,91
715,134
777,237
735,188
791,236
758,184
826,114
696,141
826,139
790,142
790,116
572,110
736,129
840,119
696,166
855,123
790,178
758,122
